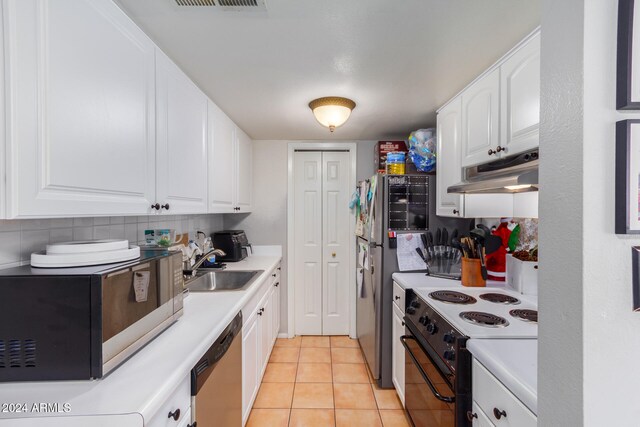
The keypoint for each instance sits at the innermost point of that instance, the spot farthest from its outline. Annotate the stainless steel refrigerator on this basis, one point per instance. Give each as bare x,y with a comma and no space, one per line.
401,205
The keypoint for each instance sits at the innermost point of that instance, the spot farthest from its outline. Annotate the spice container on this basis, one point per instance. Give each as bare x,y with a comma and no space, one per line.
396,163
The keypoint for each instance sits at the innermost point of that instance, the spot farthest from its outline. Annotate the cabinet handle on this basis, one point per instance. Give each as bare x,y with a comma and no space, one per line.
499,414
500,148
403,323
261,311
397,297
276,285
456,211
175,414
165,206
156,206
274,275
471,416
195,424
279,268
491,152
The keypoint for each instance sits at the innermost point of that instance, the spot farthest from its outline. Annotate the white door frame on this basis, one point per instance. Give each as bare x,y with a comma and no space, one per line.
351,147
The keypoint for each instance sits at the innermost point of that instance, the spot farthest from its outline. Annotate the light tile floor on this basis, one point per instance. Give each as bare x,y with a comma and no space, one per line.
322,381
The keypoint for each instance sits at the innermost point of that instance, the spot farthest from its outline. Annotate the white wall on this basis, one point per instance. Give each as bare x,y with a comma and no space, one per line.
267,225
19,238
589,342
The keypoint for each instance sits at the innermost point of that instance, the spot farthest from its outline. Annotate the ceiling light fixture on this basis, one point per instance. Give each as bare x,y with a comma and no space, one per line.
332,111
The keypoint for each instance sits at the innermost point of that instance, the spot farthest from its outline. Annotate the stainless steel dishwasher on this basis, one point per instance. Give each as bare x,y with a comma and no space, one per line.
216,381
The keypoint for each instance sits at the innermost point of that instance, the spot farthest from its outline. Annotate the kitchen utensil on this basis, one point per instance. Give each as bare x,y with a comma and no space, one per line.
425,243
483,267
424,258
492,243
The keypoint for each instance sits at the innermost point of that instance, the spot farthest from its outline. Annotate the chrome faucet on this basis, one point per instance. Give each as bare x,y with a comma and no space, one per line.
191,270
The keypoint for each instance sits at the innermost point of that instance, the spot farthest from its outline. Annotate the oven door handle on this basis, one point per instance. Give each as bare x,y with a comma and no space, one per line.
438,396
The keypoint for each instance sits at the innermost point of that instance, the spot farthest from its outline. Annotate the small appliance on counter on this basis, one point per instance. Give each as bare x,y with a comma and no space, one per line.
233,242
80,323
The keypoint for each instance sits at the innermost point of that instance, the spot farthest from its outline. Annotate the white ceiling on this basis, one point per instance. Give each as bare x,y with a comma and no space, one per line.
399,60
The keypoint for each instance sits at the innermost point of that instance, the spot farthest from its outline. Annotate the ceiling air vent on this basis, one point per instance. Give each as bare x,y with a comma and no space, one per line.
195,3
227,5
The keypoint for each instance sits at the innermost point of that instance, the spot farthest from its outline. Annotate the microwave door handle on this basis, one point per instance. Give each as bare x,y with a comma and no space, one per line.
438,396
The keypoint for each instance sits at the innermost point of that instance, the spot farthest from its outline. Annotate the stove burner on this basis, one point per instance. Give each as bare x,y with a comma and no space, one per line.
484,319
525,315
452,297
500,298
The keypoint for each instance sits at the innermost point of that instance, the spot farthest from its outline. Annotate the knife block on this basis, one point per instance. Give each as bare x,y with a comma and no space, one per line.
472,273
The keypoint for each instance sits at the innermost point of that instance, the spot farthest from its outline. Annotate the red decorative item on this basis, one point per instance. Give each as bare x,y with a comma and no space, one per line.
497,262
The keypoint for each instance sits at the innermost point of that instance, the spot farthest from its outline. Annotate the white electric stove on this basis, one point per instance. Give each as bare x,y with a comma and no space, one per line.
485,312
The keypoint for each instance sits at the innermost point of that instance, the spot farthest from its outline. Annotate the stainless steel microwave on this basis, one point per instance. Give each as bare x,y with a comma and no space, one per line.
80,323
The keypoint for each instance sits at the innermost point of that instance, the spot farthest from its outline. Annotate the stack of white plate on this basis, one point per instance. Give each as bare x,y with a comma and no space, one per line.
84,253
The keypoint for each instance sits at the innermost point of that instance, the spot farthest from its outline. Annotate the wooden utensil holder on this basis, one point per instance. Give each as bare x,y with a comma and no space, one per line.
472,273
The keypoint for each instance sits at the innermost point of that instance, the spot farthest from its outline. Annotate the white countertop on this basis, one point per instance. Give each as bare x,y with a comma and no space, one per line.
147,379
421,280
514,363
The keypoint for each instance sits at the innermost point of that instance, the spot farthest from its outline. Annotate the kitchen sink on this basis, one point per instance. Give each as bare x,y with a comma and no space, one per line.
219,280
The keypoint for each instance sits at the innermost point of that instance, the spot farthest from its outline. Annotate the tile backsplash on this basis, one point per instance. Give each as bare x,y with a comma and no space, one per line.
19,238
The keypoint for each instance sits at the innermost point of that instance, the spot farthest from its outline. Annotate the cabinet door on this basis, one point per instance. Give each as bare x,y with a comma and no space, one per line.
275,311
181,123
480,419
265,329
397,375
480,119
250,356
449,170
81,95
520,99
244,171
222,167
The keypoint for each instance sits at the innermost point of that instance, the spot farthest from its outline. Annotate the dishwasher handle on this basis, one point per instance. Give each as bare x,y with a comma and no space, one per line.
218,349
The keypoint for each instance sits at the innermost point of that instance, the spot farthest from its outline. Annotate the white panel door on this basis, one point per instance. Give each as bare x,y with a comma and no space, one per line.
449,170
222,166
480,119
335,218
308,242
81,97
520,93
244,171
181,123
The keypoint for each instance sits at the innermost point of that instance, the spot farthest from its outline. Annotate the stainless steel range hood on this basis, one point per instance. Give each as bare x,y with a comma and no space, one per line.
513,174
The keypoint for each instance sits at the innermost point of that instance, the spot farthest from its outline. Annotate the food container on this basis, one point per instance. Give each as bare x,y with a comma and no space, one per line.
472,273
522,276
396,163
385,147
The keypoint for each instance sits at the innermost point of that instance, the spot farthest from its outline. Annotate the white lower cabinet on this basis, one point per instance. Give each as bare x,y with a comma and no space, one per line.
397,356
250,371
494,404
259,332
176,410
480,419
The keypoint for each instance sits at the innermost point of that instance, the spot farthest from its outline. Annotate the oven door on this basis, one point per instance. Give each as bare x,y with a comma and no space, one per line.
429,400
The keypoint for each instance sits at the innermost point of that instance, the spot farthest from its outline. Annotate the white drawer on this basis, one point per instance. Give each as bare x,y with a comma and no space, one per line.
398,296
252,305
495,400
179,400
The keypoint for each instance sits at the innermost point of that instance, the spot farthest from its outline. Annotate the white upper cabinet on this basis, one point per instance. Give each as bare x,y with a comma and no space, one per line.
181,170
81,98
480,119
222,167
449,170
230,165
520,99
244,171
